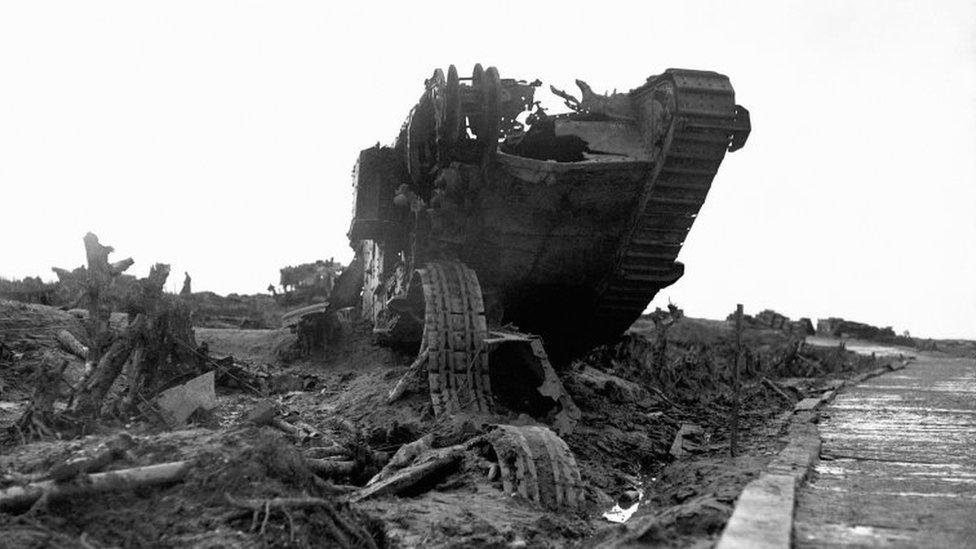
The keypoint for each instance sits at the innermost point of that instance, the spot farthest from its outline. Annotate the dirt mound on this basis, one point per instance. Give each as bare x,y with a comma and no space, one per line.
28,337
26,327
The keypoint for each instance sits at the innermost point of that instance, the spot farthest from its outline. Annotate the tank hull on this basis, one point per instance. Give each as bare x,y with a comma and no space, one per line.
473,230
572,226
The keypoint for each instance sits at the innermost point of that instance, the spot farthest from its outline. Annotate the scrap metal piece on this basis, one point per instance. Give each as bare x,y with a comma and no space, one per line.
178,403
530,369
537,465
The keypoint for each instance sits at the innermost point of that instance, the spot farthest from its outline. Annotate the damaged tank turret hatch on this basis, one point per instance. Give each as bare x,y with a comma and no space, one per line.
488,212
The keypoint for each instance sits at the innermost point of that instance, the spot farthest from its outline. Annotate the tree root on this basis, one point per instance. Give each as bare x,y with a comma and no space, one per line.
344,532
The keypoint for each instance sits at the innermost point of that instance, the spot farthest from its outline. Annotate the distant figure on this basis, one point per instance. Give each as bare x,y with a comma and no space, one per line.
272,290
186,291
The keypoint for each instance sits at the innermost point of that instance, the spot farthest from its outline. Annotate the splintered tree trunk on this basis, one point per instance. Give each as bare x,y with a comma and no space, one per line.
141,340
100,276
106,356
90,396
180,337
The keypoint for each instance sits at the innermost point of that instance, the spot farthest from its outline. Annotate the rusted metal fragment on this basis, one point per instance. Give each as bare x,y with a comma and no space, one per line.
523,357
178,403
616,106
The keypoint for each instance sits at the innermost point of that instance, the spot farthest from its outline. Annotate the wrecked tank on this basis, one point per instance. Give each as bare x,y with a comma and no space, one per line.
490,219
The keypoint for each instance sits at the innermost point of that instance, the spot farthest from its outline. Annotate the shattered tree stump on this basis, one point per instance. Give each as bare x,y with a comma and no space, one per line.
100,275
158,342
87,401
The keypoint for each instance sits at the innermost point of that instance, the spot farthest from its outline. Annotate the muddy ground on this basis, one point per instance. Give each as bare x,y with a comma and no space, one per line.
633,403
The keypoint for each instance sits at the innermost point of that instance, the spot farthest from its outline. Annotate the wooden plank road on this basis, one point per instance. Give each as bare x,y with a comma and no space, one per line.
898,462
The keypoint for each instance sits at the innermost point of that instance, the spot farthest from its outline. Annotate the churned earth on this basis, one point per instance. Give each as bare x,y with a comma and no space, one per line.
673,491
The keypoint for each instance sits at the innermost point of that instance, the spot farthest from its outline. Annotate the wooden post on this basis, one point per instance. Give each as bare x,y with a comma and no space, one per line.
734,440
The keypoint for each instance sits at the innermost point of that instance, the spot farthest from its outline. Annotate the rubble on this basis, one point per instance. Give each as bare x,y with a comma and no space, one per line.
838,327
769,318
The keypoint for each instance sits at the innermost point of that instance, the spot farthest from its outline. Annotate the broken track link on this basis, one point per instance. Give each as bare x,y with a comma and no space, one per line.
704,123
455,329
537,465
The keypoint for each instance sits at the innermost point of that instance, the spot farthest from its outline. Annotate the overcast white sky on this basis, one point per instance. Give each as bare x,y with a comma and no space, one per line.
219,136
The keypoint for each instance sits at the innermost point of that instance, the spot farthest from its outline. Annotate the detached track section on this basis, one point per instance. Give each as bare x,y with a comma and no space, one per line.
454,333
537,465
703,124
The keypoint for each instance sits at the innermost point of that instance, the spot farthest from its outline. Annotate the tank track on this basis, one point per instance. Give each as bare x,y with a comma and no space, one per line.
533,461
537,465
454,335
704,123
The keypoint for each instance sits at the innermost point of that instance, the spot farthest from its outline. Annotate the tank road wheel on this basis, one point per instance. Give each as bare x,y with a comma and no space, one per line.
491,108
537,465
419,133
449,117
475,116
423,129
454,334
